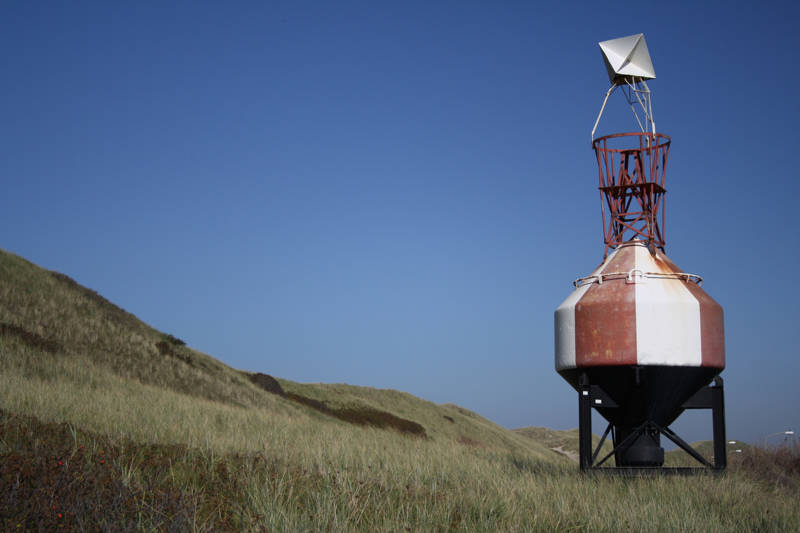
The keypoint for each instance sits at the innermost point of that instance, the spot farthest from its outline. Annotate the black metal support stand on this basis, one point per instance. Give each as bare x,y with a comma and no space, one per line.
713,398
592,396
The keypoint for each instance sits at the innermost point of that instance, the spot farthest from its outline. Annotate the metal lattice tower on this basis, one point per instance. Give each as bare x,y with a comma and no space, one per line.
632,171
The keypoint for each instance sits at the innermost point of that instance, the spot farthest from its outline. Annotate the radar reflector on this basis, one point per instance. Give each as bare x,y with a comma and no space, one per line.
627,57
628,63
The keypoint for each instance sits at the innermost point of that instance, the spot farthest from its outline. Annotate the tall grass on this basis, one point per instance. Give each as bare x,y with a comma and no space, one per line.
287,469
410,485
108,424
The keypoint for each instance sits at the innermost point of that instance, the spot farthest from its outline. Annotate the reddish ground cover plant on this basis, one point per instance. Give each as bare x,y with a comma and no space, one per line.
50,480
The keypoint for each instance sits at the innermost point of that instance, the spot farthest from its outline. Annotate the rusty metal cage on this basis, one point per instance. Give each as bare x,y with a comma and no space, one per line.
632,171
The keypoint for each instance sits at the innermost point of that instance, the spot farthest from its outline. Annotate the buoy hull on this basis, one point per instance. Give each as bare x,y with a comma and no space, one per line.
638,308
645,333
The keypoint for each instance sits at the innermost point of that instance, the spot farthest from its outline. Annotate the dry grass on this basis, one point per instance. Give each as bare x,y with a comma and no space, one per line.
115,426
777,467
390,483
38,305
564,442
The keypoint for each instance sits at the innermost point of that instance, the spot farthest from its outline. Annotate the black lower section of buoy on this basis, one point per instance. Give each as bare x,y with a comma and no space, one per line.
645,450
642,393
640,402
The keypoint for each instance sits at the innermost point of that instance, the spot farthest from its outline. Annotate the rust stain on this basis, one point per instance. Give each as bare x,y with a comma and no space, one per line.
605,319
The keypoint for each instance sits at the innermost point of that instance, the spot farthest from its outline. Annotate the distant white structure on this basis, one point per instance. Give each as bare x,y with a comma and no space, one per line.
629,65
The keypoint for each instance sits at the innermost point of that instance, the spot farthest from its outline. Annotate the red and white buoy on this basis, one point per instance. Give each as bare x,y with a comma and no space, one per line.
638,308
638,338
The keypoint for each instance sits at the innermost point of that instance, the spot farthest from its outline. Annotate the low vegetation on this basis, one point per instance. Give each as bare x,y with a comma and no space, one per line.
564,442
107,424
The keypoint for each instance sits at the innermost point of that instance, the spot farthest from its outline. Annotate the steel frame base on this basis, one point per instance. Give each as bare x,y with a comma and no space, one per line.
590,396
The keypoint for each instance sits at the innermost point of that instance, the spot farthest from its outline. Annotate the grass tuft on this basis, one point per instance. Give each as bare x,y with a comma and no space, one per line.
106,306
175,341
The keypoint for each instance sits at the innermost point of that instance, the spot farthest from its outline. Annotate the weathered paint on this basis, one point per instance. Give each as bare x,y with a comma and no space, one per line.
605,318
652,321
667,317
565,324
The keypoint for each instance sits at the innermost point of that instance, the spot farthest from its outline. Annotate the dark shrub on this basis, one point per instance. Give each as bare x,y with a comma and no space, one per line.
268,383
31,339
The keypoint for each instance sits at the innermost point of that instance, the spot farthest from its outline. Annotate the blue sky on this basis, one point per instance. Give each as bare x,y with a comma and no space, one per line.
399,194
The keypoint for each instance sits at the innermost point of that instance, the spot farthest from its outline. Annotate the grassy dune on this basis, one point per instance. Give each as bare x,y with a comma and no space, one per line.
108,424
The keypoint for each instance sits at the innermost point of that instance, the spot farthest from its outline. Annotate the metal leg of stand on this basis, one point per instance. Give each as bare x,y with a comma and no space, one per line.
718,412
584,423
